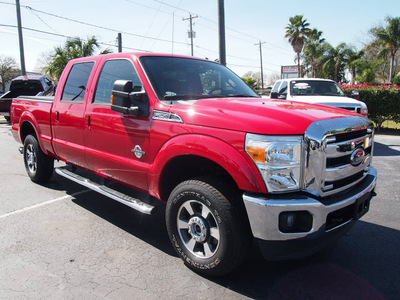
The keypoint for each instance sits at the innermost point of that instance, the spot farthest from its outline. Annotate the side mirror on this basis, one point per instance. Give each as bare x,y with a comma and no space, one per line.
130,100
274,95
282,96
355,95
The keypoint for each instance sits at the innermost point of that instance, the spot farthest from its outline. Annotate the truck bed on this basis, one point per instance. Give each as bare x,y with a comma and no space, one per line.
37,110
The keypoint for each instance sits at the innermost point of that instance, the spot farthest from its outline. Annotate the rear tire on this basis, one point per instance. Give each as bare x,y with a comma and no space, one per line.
38,165
208,232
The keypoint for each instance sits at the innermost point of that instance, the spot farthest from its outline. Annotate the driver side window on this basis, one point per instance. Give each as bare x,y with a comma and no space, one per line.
283,88
118,69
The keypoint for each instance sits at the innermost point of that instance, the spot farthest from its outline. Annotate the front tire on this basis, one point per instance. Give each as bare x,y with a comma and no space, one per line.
208,232
38,165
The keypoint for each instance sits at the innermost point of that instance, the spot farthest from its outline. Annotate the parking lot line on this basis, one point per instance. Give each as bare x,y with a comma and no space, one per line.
42,204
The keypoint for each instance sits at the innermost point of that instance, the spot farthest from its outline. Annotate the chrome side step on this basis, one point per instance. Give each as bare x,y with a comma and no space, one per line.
106,191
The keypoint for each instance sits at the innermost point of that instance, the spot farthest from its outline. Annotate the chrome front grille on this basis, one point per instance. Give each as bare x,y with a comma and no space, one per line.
338,154
356,109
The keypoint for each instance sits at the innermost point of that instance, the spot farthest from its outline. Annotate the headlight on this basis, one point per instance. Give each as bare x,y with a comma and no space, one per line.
364,109
279,160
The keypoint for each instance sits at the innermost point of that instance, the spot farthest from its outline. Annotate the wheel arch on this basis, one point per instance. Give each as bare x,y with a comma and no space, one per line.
190,156
26,129
28,125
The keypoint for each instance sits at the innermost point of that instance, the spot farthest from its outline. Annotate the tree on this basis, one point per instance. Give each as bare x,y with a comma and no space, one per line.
8,70
314,49
367,70
388,38
296,32
253,79
251,82
73,48
335,60
354,61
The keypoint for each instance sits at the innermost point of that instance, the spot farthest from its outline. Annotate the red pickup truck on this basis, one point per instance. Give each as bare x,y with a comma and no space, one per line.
232,168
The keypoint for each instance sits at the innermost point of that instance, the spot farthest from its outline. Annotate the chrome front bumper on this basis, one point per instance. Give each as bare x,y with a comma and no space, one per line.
264,212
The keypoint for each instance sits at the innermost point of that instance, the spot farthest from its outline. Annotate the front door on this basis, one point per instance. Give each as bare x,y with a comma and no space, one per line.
112,137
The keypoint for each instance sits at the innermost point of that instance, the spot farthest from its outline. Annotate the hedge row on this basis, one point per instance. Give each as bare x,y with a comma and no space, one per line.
383,101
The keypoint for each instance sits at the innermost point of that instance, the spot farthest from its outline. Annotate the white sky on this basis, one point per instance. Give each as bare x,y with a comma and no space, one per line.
247,23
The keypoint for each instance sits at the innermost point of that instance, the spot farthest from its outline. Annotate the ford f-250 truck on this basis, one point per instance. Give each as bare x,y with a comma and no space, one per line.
232,167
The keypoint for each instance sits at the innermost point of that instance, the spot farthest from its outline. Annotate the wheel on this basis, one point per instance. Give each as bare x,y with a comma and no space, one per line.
206,230
38,165
8,118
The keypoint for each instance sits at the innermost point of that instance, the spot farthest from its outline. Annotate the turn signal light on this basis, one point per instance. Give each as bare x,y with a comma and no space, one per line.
257,153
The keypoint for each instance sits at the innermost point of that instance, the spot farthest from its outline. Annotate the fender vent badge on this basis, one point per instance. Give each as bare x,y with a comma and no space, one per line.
138,151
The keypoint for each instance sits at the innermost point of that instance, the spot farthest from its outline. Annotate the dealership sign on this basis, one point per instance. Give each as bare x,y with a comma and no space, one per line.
289,71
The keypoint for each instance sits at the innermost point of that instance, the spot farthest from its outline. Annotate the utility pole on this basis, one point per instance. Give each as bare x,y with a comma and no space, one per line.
221,23
191,33
119,38
262,73
21,41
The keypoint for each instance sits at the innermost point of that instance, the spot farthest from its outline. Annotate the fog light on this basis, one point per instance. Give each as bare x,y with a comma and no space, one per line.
295,222
290,220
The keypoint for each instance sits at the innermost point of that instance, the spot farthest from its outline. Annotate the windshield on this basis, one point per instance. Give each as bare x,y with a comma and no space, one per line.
176,78
315,88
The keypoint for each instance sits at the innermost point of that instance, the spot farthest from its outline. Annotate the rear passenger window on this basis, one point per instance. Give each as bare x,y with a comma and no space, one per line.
118,69
75,86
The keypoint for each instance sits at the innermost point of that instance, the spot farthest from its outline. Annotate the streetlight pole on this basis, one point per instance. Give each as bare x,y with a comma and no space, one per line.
119,38
262,73
221,23
21,41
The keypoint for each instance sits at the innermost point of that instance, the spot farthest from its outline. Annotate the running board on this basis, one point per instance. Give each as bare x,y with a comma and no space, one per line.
106,191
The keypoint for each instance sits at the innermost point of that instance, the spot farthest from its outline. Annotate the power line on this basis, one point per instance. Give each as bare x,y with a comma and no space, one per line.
34,11
249,38
93,25
67,36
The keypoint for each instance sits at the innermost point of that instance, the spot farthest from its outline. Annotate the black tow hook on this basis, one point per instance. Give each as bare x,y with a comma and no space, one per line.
21,150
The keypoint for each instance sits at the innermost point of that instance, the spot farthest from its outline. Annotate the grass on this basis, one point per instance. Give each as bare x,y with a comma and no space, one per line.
388,127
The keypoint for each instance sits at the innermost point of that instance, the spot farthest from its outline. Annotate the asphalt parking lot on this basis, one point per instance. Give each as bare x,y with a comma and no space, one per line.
62,241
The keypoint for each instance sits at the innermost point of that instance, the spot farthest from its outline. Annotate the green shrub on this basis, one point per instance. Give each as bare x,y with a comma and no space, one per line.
396,79
382,101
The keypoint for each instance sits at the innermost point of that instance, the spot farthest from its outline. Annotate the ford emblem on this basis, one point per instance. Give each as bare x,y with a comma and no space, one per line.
357,157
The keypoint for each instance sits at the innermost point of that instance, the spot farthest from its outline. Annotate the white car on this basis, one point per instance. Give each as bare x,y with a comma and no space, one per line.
317,91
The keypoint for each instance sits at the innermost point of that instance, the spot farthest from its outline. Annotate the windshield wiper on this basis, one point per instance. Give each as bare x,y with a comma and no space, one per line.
242,96
197,97
191,97
182,97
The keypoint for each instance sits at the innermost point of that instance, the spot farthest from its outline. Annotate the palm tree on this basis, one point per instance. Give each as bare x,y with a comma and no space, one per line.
297,31
353,61
314,49
73,48
388,38
335,59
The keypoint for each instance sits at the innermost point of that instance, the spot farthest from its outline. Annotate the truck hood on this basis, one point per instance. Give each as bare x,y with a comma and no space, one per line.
255,115
335,101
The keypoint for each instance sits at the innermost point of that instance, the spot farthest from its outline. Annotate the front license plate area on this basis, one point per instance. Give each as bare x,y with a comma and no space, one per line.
361,207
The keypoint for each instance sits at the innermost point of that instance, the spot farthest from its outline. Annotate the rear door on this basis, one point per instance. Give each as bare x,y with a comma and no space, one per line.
68,114
112,137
